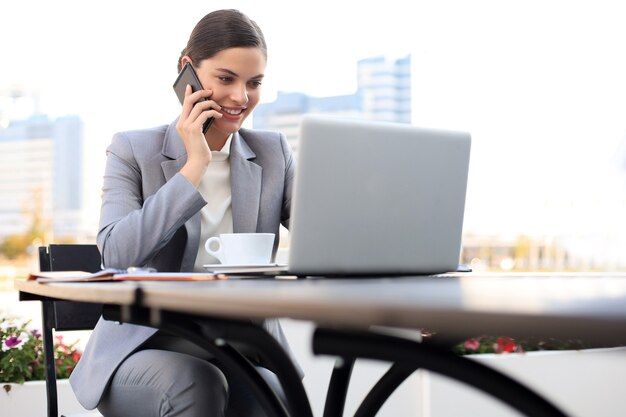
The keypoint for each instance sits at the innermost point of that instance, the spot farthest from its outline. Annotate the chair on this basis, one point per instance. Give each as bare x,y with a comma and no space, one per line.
65,315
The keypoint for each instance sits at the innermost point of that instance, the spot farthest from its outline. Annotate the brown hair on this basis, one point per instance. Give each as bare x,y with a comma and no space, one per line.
220,30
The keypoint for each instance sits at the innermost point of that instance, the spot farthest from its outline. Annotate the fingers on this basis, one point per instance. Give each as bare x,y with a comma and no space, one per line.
191,99
207,108
194,97
187,105
197,109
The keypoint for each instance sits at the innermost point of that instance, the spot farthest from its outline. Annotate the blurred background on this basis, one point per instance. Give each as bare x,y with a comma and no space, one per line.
540,85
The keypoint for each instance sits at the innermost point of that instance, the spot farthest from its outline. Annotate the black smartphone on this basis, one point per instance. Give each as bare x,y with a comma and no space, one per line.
188,76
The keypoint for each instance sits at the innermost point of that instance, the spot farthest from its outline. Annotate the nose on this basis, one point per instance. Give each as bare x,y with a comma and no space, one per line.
239,93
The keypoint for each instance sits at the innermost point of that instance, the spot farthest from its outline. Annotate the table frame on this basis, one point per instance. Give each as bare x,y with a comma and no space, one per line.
347,342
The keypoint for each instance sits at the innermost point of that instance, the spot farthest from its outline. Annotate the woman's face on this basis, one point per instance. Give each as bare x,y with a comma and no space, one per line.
234,75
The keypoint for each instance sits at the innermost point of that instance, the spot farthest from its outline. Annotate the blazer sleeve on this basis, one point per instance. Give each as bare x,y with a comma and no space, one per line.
134,227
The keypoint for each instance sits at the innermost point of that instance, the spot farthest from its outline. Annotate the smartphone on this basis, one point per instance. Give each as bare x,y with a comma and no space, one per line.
188,76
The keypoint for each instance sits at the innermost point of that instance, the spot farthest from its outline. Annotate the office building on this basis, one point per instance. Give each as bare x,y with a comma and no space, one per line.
385,89
383,93
41,170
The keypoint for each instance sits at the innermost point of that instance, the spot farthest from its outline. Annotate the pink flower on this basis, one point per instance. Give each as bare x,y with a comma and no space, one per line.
471,344
13,342
21,353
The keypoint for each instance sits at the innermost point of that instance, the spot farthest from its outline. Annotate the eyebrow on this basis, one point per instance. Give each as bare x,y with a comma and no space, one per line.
234,74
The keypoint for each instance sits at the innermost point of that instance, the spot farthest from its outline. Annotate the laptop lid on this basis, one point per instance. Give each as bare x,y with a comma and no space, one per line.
377,198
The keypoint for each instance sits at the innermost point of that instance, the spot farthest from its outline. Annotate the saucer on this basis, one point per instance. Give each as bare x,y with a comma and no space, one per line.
244,268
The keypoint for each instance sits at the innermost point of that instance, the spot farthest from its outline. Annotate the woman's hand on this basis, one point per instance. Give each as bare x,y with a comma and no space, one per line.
195,112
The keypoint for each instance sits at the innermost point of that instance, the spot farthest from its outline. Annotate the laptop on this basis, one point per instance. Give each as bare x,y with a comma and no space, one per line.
377,198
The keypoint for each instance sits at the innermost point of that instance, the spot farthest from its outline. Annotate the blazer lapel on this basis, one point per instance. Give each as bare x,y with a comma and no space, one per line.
245,184
174,150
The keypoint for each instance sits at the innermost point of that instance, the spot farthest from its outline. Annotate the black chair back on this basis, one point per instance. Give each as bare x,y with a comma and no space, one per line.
70,315
65,315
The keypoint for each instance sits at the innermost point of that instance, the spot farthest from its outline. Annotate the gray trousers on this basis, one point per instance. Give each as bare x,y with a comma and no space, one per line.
167,383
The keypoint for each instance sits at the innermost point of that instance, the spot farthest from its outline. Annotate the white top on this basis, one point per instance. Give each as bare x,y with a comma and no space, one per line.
217,216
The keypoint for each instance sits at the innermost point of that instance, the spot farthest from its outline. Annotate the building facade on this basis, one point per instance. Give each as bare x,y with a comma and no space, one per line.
383,94
41,170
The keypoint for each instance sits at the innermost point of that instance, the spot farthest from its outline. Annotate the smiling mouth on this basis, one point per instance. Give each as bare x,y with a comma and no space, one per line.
234,112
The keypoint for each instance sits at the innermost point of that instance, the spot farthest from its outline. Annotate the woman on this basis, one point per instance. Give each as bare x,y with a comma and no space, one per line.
166,190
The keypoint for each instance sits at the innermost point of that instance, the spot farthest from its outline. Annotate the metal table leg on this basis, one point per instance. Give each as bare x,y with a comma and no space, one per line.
384,388
338,387
364,344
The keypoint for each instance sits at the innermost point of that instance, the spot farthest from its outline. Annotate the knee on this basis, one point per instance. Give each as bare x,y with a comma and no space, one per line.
180,384
200,389
204,374
199,382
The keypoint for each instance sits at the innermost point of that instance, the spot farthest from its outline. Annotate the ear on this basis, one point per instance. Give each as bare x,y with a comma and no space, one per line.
185,59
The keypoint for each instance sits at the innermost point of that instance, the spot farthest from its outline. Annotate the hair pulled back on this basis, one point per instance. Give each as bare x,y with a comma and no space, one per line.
219,30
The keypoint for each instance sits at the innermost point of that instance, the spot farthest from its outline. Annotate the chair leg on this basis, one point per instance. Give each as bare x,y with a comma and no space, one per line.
48,346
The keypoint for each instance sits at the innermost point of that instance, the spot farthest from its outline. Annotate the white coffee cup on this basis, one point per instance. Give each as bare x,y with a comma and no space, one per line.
241,248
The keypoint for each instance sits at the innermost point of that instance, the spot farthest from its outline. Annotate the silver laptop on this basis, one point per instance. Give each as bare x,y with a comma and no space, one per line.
375,198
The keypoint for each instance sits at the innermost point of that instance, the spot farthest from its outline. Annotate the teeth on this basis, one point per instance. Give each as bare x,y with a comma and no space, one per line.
231,111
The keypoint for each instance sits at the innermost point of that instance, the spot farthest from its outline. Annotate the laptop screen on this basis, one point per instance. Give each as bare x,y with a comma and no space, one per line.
377,198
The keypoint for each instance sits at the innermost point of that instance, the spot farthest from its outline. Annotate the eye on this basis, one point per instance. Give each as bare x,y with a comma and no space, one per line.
255,83
225,79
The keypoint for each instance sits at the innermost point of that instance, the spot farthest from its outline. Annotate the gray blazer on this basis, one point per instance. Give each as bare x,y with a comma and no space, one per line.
150,217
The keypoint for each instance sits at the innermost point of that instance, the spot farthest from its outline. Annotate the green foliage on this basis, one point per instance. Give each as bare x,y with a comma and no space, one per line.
15,246
22,355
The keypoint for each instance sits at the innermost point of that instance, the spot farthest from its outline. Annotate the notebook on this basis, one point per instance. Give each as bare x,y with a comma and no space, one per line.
377,198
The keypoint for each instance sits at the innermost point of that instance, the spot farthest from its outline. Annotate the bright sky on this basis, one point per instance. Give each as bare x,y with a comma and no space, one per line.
540,84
